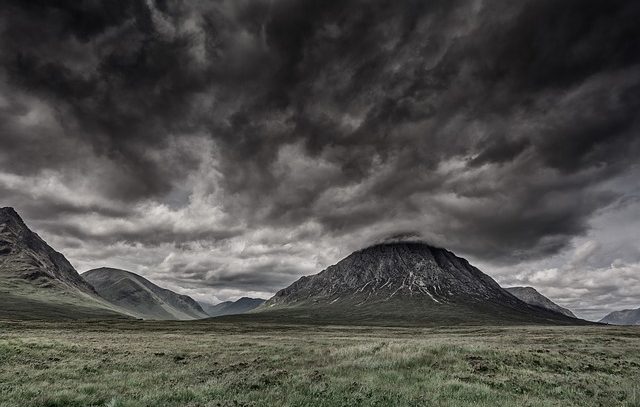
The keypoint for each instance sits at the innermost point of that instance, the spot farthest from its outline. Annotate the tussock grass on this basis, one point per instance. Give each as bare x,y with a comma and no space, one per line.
207,364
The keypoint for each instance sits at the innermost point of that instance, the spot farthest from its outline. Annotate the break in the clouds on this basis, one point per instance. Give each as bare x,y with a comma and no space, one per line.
225,148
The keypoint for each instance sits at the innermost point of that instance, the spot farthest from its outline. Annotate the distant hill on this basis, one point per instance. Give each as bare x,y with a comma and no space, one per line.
402,283
244,304
37,282
625,317
531,296
140,297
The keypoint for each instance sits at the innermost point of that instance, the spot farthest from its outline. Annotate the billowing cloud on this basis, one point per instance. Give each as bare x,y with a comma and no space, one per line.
256,141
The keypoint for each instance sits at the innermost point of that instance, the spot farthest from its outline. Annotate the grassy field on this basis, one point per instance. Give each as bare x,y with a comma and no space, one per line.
242,364
22,299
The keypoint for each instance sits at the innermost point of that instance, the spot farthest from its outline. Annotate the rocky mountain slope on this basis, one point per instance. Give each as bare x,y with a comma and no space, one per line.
140,297
38,282
625,317
406,282
241,306
531,296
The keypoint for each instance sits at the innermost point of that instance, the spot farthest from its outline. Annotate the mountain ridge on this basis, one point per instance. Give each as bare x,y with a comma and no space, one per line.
141,297
622,317
531,296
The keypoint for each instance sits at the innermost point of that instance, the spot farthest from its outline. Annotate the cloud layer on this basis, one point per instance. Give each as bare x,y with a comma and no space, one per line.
228,147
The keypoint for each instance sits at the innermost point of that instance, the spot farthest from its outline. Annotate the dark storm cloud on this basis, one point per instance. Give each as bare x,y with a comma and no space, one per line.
147,235
497,129
116,84
497,92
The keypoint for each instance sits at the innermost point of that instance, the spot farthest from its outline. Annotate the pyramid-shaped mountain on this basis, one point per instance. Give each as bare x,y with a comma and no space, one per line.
405,282
37,282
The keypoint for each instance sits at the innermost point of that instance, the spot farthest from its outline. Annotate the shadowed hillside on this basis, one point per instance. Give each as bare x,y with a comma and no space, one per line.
37,282
140,297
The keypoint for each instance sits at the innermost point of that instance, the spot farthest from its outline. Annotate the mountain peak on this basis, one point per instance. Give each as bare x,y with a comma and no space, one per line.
409,281
31,258
387,270
399,243
8,210
8,214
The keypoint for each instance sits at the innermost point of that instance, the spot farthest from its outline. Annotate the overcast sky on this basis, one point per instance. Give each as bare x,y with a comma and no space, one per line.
226,148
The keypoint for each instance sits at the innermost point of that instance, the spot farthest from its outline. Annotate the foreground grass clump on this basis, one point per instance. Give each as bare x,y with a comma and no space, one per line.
219,364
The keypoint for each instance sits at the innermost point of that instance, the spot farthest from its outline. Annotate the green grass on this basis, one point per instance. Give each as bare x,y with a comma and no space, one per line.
243,364
49,299
405,311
